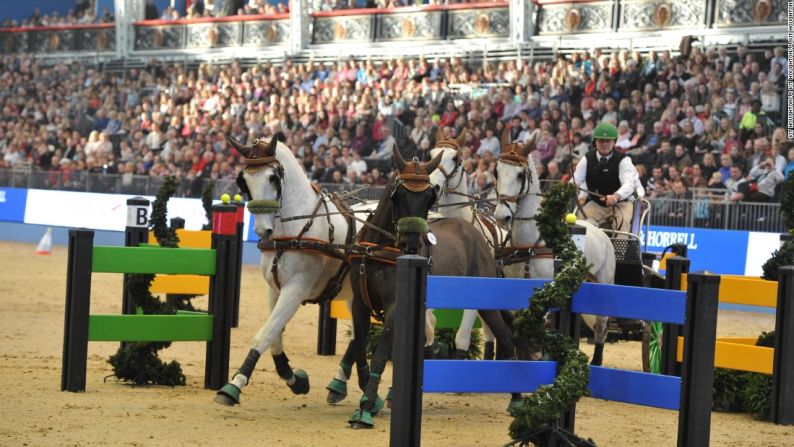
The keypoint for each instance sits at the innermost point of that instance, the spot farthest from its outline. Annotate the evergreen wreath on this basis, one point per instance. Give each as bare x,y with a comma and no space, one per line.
542,409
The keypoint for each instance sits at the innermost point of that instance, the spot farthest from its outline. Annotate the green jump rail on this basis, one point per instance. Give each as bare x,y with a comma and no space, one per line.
150,260
150,327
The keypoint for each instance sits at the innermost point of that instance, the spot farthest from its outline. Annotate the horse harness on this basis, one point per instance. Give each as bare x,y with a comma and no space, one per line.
328,248
386,253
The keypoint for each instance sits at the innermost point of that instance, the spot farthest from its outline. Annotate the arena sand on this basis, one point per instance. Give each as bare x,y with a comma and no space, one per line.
109,413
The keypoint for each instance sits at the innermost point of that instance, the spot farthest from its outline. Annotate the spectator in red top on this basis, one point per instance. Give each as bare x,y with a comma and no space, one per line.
449,116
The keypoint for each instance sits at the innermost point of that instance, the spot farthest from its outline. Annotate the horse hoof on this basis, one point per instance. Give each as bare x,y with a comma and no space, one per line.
301,385
337,391
361,419
388,398
229,395
514,403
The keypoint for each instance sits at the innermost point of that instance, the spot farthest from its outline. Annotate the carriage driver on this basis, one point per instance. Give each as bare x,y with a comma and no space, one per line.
607,180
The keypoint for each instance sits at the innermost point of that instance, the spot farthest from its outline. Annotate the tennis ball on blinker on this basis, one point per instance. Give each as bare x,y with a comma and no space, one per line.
570,218
225,198
238,198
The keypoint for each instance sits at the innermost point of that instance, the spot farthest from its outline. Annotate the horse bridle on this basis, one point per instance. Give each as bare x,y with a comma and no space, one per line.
514,159
451,174
254,165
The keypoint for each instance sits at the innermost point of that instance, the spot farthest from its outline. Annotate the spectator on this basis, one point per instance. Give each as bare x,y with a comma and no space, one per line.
767,177
150,11
736,185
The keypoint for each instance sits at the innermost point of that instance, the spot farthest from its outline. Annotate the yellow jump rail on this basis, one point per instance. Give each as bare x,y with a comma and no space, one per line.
741,353
184,284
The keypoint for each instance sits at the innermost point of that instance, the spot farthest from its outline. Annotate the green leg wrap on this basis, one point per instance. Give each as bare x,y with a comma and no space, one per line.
337,391
361,419
301,385
228,395
379,404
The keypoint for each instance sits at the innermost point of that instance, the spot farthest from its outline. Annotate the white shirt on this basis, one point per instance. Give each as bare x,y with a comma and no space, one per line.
627,173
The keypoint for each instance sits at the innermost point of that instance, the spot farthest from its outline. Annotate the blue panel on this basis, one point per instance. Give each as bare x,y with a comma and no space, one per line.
631,387
252,236
486,376
667,306
448,292
706,248
12,204
455,292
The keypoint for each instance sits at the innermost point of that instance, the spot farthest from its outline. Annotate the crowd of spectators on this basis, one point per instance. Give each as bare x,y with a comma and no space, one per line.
215,8
711,119
334,5
83,13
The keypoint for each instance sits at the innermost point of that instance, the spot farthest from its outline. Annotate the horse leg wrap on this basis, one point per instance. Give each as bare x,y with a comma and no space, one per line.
370,399
249,364
598,355
282,366
363,376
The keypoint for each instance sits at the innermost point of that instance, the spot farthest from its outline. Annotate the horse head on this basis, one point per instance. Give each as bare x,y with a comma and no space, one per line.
412,196
449,175
516,175
261,179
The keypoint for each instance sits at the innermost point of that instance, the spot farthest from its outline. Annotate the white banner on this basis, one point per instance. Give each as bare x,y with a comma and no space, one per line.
99,211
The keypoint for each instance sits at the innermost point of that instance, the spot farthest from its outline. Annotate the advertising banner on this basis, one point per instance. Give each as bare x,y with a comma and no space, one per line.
718,251
12,204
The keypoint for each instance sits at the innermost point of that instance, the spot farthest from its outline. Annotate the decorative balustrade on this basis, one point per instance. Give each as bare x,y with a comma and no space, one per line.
207,33
421,24
59,39
555,17
424,23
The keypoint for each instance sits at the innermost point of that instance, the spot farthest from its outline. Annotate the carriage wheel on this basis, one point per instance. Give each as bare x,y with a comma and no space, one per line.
652,347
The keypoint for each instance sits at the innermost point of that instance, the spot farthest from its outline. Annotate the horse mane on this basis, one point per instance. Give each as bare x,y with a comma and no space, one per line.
281,149
382,217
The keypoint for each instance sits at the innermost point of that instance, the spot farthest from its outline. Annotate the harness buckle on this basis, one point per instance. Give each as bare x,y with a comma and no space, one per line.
362,268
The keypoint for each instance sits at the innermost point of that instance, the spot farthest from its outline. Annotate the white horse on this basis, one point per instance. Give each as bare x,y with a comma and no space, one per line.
518,189
451,184
278,188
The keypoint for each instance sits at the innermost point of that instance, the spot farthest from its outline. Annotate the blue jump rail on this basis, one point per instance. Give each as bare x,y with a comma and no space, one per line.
453,292
444,292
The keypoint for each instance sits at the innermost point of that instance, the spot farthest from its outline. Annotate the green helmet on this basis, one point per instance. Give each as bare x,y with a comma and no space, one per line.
605,131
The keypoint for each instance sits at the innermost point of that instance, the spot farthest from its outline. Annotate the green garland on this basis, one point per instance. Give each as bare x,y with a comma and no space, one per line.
785,255
543,408
138,362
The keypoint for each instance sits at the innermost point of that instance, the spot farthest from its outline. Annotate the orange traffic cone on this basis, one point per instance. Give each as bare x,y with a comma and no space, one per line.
45,244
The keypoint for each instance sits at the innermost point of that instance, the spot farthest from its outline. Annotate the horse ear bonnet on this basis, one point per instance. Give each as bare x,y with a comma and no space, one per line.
242,185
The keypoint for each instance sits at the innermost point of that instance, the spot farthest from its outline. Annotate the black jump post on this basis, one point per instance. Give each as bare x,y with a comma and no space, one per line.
78,303
221,297
408,353
697,371
676,266
135,233
326,330
783,364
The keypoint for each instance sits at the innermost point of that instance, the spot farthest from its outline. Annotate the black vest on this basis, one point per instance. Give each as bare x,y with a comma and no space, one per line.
603,180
